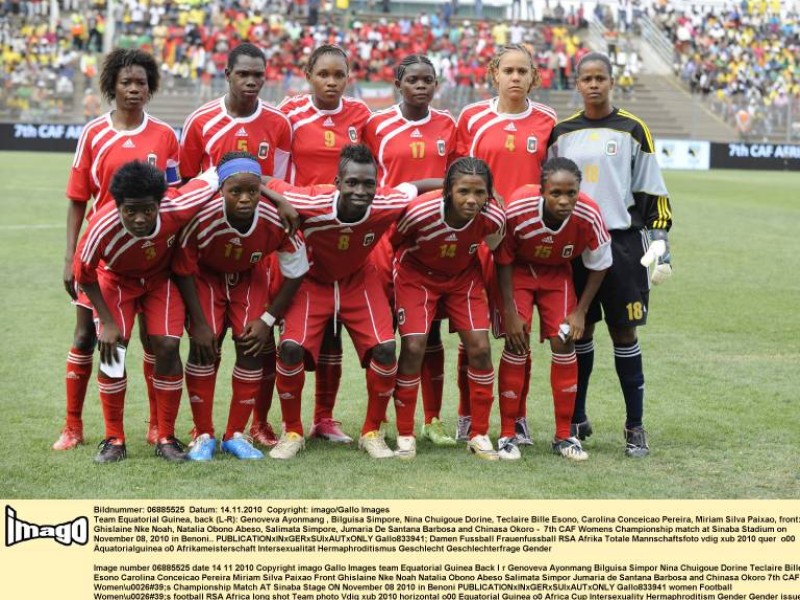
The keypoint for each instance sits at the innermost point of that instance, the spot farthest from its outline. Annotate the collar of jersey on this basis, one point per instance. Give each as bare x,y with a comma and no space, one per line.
320,111
248,119
510,116
128,132
540,200
346,223
422,121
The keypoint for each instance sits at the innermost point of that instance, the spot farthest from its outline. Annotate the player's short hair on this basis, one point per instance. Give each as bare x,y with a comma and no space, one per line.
594,57
357,153
228,156
494,64
412,59
559,163
138,179
245,49
323,50
467,165
122,58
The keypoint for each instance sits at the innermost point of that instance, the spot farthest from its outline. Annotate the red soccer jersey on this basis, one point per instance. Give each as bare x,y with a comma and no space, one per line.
209,242
425,242
319,135
102,150
107,240
529,240
410,150
210,132
513,145
337,249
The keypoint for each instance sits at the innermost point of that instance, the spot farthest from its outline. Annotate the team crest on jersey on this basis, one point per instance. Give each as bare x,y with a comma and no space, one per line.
352,134
369,238
611,148
255,257
566,252
151,159
533,144
473,248
440,147
263,150
170,241
401,316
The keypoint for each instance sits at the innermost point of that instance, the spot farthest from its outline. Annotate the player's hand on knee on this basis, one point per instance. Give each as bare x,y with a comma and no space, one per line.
205,344
254,337
107,342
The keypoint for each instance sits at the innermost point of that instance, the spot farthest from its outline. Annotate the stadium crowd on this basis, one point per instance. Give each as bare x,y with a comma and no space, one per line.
743,58
49,61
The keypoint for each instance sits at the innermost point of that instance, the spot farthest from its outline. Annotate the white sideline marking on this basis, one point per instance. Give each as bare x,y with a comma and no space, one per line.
31,226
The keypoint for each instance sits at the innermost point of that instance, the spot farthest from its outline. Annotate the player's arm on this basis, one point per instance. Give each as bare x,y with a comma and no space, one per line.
191,149
294,266
597,262
652,205
517,333
428,185
289,216
85,268
76,211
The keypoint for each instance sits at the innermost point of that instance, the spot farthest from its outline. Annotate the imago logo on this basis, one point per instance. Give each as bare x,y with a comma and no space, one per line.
75,531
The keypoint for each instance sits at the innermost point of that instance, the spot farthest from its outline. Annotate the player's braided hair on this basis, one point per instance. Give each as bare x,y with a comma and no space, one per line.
494,64
245,49
467,165
228,156
138,179
122,58
594,57
412,59
357,153
326,49
559,163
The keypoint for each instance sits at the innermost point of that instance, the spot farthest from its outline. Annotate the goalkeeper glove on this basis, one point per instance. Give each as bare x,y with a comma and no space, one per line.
658,254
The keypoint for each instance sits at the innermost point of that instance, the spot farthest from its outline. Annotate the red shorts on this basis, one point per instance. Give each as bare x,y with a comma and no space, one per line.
358,302
417,296
232,299
549,288
382,256
157,298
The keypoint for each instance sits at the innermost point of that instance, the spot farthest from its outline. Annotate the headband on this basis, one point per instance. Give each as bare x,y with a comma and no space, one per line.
236,166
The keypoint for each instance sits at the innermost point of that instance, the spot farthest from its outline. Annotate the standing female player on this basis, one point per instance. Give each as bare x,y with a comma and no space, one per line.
510,133
239,122
544,232
128,80
615,151
437,240
323,122
412,141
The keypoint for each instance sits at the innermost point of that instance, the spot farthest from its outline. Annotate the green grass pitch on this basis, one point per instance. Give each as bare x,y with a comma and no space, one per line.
721,352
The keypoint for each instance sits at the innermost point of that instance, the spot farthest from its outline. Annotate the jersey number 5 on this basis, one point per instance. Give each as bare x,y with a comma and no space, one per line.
241,145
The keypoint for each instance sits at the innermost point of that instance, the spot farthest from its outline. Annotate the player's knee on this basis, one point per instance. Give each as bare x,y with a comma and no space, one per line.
291,353
385,353
84,339
479,354
166,348
622,335
413,346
